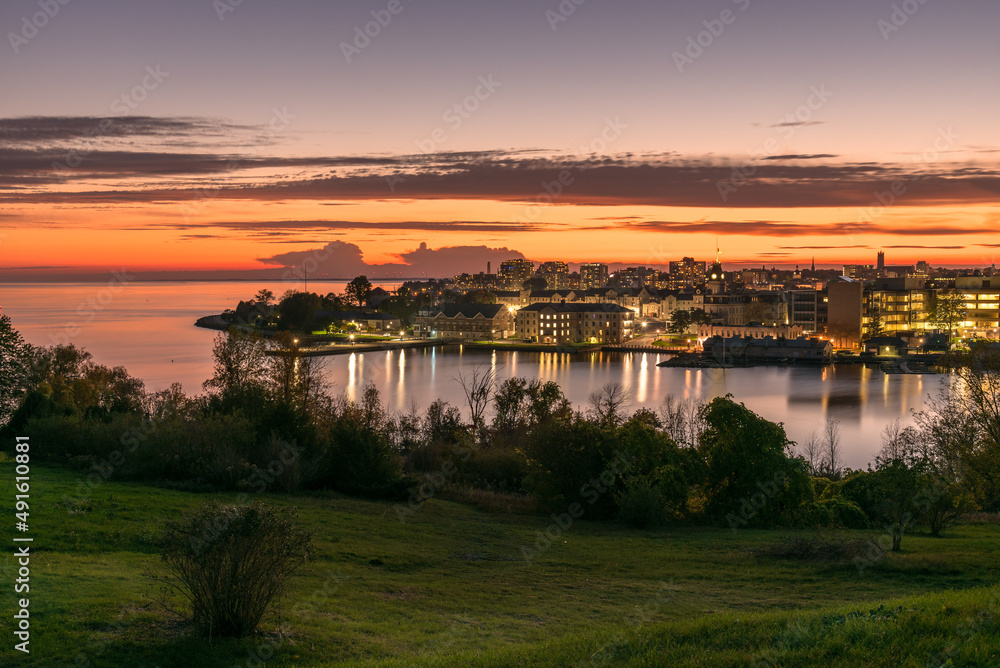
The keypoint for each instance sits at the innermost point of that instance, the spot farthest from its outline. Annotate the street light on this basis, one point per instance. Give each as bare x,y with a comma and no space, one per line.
352,339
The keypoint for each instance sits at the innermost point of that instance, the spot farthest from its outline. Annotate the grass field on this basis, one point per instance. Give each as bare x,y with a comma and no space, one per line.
450,586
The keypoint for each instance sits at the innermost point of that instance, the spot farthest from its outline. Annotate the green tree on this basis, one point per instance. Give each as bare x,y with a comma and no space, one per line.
749,477
477,297
700,317
358,290
264,296
298,310
534,284
239,362
875,326
680,320
947,311
15,363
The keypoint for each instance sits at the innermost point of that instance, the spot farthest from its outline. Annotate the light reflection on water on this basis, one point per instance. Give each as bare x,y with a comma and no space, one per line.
148,328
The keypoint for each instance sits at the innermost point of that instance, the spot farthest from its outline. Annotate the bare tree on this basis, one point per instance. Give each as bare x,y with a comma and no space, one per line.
832,464
811,453
682,420
899,442
478,389
607,405
239,361
295,378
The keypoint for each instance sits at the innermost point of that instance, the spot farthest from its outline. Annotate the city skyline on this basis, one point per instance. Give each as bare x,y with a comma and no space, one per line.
574,132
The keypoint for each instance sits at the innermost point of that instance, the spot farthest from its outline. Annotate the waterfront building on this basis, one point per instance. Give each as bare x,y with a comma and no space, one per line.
752,330
845,310
370,322
981,295
465,321
807,308
739,349
575,323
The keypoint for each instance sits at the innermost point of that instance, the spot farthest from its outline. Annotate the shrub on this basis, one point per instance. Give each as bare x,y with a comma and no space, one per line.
231,562
641,504
815,548
837,511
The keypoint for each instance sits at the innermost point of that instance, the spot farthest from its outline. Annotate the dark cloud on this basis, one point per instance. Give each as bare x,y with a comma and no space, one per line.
34,144
781,228
292,226
795,124
340,259
801,156
930,247
46,129
821,247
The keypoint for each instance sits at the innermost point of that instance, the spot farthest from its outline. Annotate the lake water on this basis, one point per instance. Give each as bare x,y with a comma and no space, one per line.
149,329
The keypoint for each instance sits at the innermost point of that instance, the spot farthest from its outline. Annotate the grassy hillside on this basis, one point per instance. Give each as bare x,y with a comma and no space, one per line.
451,586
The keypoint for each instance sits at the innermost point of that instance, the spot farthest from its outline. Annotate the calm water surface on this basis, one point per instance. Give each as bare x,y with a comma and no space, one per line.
149,329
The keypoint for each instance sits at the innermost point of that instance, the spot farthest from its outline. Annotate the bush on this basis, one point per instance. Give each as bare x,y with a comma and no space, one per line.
839,512
231,562
641,504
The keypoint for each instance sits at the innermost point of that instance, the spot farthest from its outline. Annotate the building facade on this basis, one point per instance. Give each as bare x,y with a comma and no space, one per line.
513,273
593,275
575,323
473,322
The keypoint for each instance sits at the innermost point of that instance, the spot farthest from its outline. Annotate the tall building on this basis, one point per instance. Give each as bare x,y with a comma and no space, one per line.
686,274
981,295
902,305
845,310
513,273
556,275
807,308
593,275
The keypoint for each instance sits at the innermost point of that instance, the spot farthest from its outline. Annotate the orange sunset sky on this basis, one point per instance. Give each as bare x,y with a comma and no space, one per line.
172,138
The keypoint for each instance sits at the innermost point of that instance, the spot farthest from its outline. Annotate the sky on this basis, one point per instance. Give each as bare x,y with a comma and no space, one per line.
404,138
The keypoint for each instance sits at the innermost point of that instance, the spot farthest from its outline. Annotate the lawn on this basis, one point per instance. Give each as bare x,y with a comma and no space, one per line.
450,586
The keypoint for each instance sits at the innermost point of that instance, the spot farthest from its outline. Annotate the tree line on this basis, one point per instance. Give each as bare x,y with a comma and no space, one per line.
267,421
